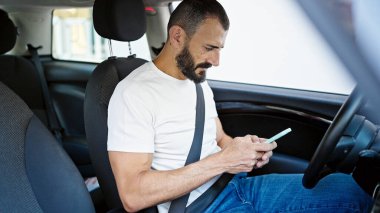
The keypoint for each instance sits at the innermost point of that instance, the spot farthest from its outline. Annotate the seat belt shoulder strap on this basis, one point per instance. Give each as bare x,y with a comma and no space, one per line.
179,204
51,115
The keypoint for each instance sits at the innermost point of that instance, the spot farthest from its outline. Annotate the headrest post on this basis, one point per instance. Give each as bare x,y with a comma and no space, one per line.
110,47
130,48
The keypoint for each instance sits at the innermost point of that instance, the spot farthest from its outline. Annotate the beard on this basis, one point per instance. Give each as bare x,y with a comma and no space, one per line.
185,62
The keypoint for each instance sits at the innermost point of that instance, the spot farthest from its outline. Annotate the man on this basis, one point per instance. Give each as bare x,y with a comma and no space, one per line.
151,125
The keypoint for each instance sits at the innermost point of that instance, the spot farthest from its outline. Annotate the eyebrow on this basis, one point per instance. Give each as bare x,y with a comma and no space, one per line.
213,46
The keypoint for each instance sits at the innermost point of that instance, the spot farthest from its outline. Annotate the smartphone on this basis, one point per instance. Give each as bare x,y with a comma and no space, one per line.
279,135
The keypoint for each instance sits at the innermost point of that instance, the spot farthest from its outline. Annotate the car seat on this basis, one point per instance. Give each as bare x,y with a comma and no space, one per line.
21,76
123,21
18,73
37,174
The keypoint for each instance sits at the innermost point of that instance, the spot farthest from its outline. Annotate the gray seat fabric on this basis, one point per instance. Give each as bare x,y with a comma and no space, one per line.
37,175
18,73
118,20
21,76
98,93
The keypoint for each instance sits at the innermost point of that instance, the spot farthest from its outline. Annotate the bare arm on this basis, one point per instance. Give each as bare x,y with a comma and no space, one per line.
140,187
221,137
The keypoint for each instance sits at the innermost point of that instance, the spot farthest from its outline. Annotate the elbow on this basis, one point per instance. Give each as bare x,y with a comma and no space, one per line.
131,204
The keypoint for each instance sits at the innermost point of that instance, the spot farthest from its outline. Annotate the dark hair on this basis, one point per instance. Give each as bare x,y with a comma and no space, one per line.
189,14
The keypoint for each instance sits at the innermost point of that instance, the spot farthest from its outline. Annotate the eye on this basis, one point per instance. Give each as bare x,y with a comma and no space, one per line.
208,49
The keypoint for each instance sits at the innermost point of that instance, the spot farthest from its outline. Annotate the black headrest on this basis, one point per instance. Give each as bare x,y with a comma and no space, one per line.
122,20
8,32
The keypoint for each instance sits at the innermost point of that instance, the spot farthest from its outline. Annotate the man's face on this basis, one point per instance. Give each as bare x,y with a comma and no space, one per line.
185,62
202,50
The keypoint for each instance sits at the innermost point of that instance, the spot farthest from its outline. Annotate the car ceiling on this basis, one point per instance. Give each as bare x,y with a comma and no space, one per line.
68,3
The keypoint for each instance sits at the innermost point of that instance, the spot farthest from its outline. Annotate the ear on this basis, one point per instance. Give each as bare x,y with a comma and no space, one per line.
177,37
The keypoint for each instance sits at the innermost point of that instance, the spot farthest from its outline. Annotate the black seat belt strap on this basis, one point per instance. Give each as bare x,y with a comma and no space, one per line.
204,201
51,115
179,204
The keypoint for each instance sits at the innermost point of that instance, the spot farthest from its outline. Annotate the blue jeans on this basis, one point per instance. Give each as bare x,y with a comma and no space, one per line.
285,193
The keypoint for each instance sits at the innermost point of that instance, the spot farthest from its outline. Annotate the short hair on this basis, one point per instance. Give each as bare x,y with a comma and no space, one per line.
189,15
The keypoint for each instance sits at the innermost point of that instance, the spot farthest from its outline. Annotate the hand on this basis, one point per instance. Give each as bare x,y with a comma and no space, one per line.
243,154
265,156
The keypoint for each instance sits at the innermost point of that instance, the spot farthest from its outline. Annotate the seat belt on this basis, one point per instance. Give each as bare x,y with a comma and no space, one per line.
51,115
179,204
202,202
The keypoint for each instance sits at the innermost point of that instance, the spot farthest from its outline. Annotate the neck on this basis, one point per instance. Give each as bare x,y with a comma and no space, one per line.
166,62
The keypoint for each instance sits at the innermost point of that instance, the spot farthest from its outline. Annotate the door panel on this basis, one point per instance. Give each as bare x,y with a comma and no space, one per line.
67,84
267,122
264,111
320,104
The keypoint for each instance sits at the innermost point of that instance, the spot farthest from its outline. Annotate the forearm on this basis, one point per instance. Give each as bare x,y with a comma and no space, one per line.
140,187
151,187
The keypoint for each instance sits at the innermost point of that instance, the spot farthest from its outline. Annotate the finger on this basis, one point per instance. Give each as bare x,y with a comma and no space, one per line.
255,139
250,167
258,155
247,139
265,147
267,155
262,140
242,168
260,164
248,163
238,139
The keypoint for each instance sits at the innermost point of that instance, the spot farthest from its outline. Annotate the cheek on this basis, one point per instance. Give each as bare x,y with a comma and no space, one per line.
201,58
198,53
203,55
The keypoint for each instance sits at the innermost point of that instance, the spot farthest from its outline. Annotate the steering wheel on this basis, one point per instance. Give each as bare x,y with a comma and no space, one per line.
317,169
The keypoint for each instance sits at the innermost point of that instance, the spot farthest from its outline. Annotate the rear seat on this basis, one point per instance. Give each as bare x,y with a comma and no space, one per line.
20,75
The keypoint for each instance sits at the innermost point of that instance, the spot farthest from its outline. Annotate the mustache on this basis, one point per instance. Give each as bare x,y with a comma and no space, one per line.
204,65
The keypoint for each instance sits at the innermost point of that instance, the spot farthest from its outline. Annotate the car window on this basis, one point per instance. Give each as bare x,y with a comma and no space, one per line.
74,38
277,46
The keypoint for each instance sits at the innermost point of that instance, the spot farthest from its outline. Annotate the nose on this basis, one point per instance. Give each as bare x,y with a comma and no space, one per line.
214,58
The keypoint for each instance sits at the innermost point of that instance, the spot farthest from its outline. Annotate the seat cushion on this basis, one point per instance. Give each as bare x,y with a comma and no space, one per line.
37,175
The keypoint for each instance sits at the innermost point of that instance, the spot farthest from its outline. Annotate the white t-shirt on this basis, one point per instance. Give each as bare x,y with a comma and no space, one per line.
152,112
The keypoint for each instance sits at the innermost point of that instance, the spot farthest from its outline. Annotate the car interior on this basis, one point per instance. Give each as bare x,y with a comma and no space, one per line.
53,112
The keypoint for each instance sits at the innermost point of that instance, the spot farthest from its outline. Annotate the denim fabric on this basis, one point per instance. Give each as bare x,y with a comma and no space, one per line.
285,193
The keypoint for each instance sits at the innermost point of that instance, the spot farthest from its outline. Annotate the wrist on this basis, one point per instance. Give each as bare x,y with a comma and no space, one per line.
221,160
216,163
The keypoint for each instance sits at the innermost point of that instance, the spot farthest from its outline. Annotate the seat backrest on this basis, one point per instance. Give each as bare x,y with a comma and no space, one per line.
21,75
18,73
123,21
36,174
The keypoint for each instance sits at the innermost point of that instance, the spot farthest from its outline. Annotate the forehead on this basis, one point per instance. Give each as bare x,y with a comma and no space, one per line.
210,32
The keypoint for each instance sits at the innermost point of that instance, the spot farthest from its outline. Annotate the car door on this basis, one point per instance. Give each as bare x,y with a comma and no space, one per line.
277,72
264,111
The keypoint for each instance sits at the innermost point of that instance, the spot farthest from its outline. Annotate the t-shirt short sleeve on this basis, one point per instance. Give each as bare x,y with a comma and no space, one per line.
130,127
209,98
